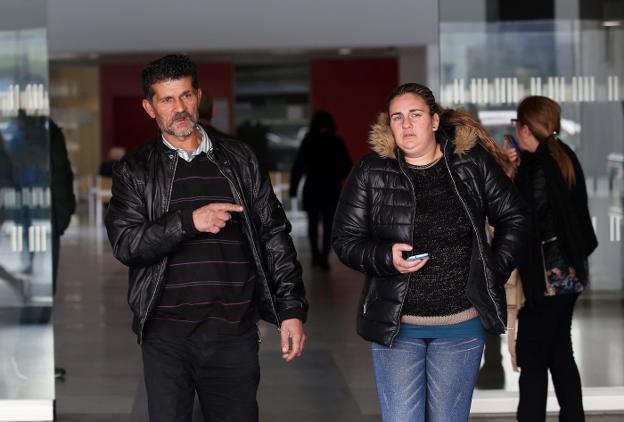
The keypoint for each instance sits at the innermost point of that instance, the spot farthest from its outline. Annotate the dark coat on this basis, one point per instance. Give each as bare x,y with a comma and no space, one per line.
377,208
61,182
556,210
143,232
324,160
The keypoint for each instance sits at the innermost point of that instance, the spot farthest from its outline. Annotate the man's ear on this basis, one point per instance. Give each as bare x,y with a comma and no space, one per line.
147,106
199,95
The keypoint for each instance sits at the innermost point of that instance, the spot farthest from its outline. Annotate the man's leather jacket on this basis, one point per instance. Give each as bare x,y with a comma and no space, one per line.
143,232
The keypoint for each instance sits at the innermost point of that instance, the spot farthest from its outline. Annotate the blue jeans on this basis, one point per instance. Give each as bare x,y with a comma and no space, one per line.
427,379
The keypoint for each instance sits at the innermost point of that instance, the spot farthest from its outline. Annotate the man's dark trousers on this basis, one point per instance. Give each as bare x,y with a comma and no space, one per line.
224,371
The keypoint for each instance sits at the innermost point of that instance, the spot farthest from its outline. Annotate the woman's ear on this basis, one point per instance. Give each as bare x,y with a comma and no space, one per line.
436,121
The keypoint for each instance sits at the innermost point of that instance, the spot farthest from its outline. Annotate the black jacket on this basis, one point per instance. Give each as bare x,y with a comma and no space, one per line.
377,208
324,160
557,211
143,232
61,182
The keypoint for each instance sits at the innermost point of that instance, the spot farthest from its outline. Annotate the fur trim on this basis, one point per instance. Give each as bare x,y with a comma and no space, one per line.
382,141
380,137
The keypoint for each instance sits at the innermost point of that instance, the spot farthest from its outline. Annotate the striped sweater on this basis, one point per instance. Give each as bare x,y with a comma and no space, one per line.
209,284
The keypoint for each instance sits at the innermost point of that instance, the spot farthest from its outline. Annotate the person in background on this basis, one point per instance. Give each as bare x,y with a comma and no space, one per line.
412,218
325,162
206,111
63,201
114,155
62,190
195,218
554,271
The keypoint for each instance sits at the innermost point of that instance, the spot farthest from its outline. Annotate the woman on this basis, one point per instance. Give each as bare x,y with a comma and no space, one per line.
428,188
554,272
324,160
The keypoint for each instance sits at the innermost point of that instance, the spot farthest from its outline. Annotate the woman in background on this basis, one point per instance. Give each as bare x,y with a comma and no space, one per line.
554,273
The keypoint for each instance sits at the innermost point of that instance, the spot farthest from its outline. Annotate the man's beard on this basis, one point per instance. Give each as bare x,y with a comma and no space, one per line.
180,133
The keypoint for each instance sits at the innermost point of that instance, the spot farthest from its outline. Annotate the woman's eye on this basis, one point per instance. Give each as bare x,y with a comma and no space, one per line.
414,115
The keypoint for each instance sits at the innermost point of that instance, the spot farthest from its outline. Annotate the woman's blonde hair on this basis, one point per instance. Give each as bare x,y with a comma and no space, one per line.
543,118
464,124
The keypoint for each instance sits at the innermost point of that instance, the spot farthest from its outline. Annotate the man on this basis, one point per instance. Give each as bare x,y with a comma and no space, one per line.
208,246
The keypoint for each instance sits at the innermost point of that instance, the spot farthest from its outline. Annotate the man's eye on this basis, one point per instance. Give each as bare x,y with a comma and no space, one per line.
167,100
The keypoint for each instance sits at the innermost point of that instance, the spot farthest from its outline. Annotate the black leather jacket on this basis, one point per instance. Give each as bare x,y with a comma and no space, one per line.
143,232
377,209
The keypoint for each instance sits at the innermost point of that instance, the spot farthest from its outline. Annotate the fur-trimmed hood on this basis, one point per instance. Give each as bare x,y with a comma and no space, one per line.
382,141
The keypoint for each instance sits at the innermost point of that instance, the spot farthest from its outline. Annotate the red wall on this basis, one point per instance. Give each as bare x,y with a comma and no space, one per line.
354,91
125,123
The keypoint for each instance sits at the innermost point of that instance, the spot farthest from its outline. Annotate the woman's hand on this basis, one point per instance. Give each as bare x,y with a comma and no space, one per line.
403,265
514,158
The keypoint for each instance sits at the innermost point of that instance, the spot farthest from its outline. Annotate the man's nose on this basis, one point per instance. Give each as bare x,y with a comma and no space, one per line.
179,105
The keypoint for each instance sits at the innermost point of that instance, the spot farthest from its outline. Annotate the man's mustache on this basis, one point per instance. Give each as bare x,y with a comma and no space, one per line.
182,115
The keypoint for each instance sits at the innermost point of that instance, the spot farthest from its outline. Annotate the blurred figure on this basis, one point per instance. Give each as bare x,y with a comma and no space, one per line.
7,182
555,271
325,162
7,179
63,201
206,111
114,155
412,218
61,186
255,135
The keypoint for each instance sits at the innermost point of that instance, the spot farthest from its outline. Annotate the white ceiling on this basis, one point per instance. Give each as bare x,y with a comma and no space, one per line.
129,26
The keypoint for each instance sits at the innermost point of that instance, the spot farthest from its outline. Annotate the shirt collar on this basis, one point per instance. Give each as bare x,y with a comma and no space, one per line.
204,146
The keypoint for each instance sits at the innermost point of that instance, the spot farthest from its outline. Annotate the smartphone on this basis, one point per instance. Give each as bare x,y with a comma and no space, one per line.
514,144
417,256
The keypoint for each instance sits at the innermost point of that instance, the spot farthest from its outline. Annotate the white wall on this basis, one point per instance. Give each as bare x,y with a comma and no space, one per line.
124,26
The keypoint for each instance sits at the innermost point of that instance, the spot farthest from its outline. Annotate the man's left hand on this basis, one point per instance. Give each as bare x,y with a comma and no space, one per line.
292,338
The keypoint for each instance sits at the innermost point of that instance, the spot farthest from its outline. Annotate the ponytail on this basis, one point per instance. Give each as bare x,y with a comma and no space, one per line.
562,159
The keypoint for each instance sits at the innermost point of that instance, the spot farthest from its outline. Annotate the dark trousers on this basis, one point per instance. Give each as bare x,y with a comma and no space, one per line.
326,214
544,343
223,370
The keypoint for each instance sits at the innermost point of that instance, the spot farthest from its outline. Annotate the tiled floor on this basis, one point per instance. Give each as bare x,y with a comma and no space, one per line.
331,382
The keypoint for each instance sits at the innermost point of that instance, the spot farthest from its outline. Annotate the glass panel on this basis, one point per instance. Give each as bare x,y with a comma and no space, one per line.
488,66
26,344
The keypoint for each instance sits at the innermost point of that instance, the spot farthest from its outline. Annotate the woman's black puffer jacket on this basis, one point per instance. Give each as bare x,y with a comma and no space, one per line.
377,208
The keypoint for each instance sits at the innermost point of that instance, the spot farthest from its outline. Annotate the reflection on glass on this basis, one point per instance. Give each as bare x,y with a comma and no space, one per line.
26,345
487,66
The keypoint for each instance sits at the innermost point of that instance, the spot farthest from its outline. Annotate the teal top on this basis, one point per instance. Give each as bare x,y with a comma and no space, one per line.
467,329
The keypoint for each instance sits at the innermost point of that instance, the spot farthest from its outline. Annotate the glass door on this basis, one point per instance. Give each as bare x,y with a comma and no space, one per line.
26,334
492,55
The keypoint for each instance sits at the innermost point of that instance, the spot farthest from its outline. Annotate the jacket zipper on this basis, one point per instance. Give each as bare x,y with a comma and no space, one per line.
239,199
487,287
164,261
409,277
